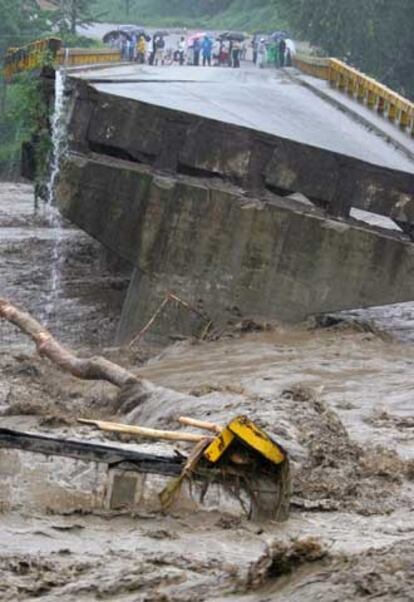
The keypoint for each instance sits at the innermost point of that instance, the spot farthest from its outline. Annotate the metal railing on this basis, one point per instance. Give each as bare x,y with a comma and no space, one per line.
366,90
72,57
50,51
312,65
30,57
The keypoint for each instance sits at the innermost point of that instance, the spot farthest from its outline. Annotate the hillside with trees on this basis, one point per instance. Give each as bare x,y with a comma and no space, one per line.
193,13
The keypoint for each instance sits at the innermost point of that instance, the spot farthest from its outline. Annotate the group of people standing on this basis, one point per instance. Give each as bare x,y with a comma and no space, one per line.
203,50
133,48
278,53
231,52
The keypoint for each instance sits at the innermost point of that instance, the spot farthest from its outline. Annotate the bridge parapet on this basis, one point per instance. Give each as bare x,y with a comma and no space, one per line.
73,57
50,51
30,57
365,89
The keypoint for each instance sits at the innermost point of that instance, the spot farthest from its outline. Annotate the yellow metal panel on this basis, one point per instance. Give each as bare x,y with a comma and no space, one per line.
257,439
216,449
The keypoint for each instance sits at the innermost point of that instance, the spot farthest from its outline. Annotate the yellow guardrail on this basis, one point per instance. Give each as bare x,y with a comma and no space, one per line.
312,65
72,57
35,55
365,89
30,57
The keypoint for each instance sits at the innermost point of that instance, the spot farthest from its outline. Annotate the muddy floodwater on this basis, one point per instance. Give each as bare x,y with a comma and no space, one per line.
338,394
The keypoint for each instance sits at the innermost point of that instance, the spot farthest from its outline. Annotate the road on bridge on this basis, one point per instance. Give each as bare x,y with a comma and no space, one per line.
265,100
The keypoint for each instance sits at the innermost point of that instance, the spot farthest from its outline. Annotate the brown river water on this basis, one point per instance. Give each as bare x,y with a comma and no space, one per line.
339,398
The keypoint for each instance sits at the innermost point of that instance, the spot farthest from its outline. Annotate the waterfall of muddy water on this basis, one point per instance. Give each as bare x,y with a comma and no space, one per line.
53,216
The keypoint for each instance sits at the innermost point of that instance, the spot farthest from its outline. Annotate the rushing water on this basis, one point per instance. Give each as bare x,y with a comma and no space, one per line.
53,217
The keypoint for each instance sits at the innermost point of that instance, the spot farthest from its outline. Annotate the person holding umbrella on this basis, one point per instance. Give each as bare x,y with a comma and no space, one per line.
196,52
159,50
141,50
282,52
153,50
236,50
182,50
261,53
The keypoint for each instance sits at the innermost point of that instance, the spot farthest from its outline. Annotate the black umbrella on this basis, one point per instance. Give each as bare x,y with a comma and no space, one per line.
279,35
235,36
115,34
145,34
161,33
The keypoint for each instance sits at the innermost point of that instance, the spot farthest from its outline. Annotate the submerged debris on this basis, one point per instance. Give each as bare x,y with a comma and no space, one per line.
282,557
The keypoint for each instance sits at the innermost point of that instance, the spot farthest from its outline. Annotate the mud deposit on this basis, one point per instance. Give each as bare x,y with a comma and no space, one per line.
340,399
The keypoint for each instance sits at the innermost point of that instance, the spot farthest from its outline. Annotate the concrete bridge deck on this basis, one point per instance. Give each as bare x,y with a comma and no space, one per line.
264,100
189,174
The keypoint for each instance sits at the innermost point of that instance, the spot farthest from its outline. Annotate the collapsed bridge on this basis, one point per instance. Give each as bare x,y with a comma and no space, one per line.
242,191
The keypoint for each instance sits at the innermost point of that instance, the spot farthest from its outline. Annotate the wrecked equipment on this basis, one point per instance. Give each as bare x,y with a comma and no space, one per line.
241,459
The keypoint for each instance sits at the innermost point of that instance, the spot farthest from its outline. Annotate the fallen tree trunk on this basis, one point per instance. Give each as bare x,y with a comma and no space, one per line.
94,368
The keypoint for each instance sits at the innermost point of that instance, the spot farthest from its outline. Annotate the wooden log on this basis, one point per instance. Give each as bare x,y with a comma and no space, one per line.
94,368
200,424
140,431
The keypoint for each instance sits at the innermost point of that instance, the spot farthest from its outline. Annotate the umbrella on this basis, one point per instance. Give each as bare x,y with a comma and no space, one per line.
233,36
195,36
115,34
161,33
278,35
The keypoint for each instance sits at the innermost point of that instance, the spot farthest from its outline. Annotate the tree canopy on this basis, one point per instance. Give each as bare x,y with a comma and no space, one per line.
376,36
71,13
21,21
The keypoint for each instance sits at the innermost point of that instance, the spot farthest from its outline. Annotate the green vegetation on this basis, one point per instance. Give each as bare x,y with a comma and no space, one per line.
68,14
374,35
212,14
21,21
24,112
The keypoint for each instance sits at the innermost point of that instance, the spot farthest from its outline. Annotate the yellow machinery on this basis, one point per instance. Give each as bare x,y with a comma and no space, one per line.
243,458
240,457
244,435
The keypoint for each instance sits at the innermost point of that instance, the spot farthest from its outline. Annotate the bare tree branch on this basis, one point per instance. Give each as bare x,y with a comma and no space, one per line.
94,368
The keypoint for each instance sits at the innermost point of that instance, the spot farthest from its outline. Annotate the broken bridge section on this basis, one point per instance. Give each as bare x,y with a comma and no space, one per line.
199,198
